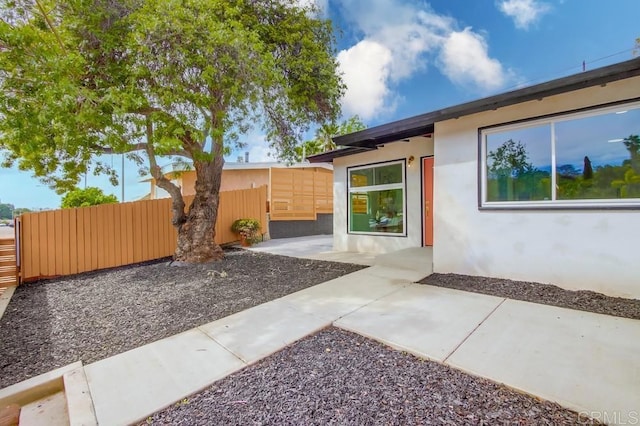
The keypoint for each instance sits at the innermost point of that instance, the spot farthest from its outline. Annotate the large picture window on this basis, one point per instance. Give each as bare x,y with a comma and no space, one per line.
574,160
376,199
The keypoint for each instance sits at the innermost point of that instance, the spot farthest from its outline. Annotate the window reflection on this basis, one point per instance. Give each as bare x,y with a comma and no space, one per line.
376,199
599,157
519,164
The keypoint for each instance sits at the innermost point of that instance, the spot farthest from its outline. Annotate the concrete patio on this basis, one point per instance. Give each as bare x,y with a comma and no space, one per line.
586,362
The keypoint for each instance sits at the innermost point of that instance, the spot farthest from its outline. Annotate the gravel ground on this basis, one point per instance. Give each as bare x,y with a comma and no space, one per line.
95,315
336,377
547,294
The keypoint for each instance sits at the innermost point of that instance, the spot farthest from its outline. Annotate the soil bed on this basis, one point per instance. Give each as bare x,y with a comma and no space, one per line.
540,293
336,377
99,314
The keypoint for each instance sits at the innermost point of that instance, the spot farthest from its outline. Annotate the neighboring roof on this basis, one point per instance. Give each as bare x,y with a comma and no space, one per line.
178,168
274,165
424,124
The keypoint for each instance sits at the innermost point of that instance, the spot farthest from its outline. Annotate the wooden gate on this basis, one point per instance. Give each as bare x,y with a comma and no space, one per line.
8,268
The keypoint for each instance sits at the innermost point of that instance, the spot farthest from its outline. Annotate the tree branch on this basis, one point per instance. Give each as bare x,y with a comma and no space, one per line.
177,205
45,15
137,147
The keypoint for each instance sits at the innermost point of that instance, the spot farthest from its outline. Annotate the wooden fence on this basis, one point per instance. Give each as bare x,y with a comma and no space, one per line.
8,271
300,194
70,241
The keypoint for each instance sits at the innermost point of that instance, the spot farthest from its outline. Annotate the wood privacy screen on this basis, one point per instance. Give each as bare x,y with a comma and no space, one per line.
300,194
8,271
69,241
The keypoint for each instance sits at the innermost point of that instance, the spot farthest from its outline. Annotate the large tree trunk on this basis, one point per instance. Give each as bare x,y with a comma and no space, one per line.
196,235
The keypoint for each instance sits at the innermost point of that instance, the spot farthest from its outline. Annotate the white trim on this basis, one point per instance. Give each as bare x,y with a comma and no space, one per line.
372,188
554,177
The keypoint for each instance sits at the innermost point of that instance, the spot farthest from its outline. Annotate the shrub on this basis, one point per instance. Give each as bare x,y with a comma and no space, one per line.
247,229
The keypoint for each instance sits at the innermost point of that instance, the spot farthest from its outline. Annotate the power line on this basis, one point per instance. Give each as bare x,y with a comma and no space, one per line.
581,67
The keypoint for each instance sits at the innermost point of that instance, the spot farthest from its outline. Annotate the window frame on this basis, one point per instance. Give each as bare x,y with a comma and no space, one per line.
553,203
402,185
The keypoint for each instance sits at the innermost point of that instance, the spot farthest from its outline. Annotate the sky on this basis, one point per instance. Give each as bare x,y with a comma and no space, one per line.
404,58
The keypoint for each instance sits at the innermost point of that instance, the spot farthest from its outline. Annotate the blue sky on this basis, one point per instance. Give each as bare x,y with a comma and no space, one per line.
403,58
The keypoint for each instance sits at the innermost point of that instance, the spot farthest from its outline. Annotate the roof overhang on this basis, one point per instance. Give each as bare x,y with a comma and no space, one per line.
424,124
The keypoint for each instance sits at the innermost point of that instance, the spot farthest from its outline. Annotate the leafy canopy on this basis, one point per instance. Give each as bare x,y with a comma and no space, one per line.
90,196
6,211
509,159
80,78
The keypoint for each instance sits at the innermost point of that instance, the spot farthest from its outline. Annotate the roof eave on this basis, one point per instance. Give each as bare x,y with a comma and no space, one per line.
327,157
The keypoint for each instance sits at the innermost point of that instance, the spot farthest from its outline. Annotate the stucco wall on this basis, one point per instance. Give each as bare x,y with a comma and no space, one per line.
575,249
344,241
244,179
231,180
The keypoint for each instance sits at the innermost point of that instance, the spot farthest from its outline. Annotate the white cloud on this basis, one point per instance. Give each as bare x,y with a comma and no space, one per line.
523,12
397,40
321,5
260,152
258,148
366,68
465,60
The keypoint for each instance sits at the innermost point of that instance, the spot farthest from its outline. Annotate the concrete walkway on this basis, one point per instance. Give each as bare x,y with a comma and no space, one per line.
587,362
130,386
318,247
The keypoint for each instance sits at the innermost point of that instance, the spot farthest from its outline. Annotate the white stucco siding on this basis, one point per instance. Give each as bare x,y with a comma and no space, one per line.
575,249
344,241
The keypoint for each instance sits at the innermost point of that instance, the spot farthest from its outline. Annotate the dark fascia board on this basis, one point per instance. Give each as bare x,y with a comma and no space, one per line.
395,136
327,157
415,126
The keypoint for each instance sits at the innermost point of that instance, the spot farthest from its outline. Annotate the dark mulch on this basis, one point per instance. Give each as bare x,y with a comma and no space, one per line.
95,315
548,294
336,377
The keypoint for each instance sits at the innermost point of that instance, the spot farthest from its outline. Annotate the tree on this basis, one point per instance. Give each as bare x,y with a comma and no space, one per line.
20,210
90,196
632,143
160,78
509,159
509,164
323,138
6,211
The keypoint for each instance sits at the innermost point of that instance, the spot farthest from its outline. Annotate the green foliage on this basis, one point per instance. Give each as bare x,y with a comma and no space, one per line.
512,177
323,138
6,211
632,143
81,78
510,159
247,228
90,196
21,210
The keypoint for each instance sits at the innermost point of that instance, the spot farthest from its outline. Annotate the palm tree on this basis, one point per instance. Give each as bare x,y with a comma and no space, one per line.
323,140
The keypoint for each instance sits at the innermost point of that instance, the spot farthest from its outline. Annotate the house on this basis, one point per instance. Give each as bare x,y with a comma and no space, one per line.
537,184
299,196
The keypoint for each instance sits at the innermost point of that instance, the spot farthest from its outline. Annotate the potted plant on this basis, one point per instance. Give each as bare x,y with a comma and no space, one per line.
247,230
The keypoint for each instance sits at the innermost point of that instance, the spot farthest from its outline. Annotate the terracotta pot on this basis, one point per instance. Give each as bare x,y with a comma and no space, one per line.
244,242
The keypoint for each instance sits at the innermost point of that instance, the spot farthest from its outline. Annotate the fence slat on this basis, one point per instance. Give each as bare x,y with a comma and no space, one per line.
69,241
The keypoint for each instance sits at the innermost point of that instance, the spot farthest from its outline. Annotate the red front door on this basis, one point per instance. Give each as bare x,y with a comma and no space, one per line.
427,197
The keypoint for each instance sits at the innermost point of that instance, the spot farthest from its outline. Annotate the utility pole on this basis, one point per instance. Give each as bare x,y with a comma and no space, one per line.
122,180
